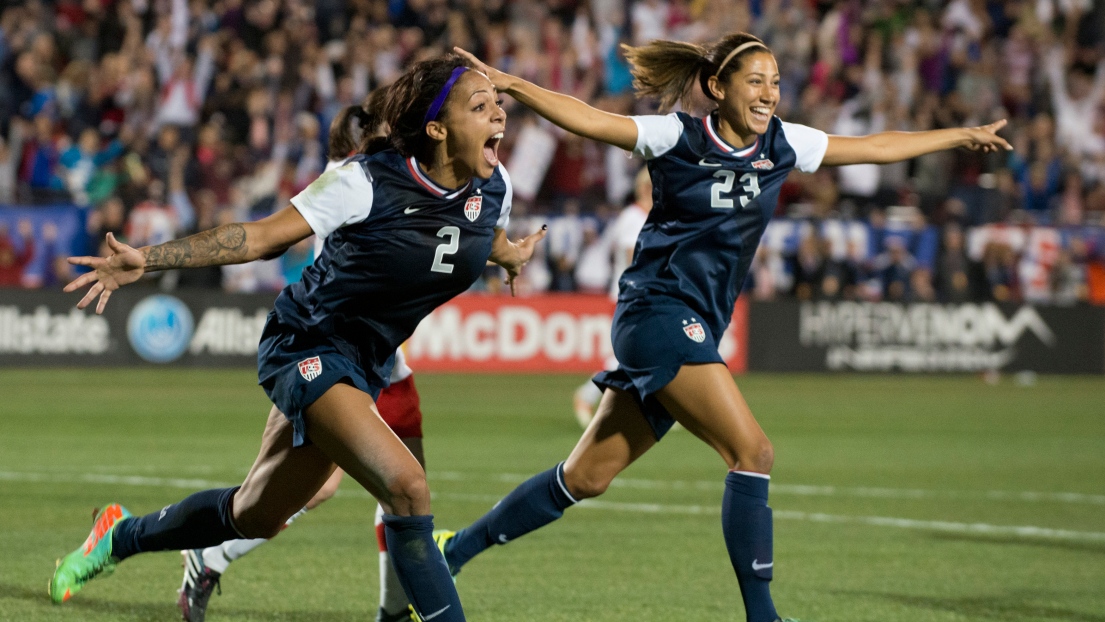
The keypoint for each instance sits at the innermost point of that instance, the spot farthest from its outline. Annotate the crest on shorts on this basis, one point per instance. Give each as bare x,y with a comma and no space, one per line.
310,368
694,331
763,165
472,207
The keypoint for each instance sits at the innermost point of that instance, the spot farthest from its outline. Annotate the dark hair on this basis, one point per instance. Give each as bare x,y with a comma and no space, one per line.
353,129
664,69
410,97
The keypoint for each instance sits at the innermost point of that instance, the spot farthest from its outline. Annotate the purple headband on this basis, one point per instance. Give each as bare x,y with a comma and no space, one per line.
439,101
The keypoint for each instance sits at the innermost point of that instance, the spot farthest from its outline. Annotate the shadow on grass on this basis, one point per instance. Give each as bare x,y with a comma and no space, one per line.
986,607
1065,545
168,611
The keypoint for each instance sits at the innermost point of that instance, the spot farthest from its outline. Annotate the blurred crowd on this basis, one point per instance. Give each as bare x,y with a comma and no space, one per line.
157,118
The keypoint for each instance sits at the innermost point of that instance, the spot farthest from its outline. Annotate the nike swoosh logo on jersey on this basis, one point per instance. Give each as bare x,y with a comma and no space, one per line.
758,566
411,210
436,613
705,162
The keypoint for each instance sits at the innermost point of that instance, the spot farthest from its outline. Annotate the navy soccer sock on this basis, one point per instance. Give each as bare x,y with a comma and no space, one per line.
746,522
199,521
537,502
421,569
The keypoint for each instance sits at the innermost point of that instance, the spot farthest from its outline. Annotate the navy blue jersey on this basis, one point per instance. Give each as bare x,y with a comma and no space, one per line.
396,247
711,203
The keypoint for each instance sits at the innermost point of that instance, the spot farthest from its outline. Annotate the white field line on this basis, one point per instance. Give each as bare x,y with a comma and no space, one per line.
123,480
1023,531
821,491
803,490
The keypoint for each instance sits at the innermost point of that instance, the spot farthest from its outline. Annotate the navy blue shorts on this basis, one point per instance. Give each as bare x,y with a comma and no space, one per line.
295,369
652,340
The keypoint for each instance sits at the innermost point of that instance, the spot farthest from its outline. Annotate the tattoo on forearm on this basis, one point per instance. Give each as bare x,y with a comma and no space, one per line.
222,245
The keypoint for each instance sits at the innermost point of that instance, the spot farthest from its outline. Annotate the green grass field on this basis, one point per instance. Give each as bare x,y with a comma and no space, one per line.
937,499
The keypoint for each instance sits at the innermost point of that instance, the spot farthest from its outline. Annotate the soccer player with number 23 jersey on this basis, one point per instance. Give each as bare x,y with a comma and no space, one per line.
715,181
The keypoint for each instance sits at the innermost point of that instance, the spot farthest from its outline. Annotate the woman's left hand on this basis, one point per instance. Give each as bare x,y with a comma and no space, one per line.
513,255
986,139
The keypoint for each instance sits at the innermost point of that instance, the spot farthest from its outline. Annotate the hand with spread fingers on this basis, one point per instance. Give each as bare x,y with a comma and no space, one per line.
124,265
985,138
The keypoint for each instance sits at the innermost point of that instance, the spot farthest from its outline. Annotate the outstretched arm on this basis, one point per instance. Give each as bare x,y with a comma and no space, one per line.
887,147
564,110
226,244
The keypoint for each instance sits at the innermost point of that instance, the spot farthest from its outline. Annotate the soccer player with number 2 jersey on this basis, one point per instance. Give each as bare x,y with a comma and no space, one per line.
406,230
357,129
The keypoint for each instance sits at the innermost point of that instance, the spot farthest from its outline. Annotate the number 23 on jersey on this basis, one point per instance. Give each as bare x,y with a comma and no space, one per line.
749,189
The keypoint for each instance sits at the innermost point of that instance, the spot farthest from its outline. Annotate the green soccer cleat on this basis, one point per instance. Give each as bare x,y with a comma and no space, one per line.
91,559
441,539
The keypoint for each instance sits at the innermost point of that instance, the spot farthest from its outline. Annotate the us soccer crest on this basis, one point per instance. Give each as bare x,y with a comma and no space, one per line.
472,207
310,368
694,331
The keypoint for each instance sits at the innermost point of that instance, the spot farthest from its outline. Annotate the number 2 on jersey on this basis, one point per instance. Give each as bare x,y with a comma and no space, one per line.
751,188
446,248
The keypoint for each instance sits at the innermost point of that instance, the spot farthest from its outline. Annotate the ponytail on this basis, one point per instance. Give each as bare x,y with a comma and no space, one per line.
359,128
344,137
664,69
374,135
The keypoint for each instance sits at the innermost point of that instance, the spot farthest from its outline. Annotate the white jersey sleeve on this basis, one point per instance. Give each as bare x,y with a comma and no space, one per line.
319,241
508,199
656,134
337,198
809,145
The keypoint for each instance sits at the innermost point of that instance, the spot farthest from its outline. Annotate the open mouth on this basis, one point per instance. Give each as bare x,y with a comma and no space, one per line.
491,149
761,113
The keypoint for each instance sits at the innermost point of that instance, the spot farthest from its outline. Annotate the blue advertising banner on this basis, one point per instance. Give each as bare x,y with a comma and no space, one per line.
41,236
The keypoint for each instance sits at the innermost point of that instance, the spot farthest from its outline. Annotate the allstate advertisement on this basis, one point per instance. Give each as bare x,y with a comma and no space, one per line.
884,337
139,326
160,328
